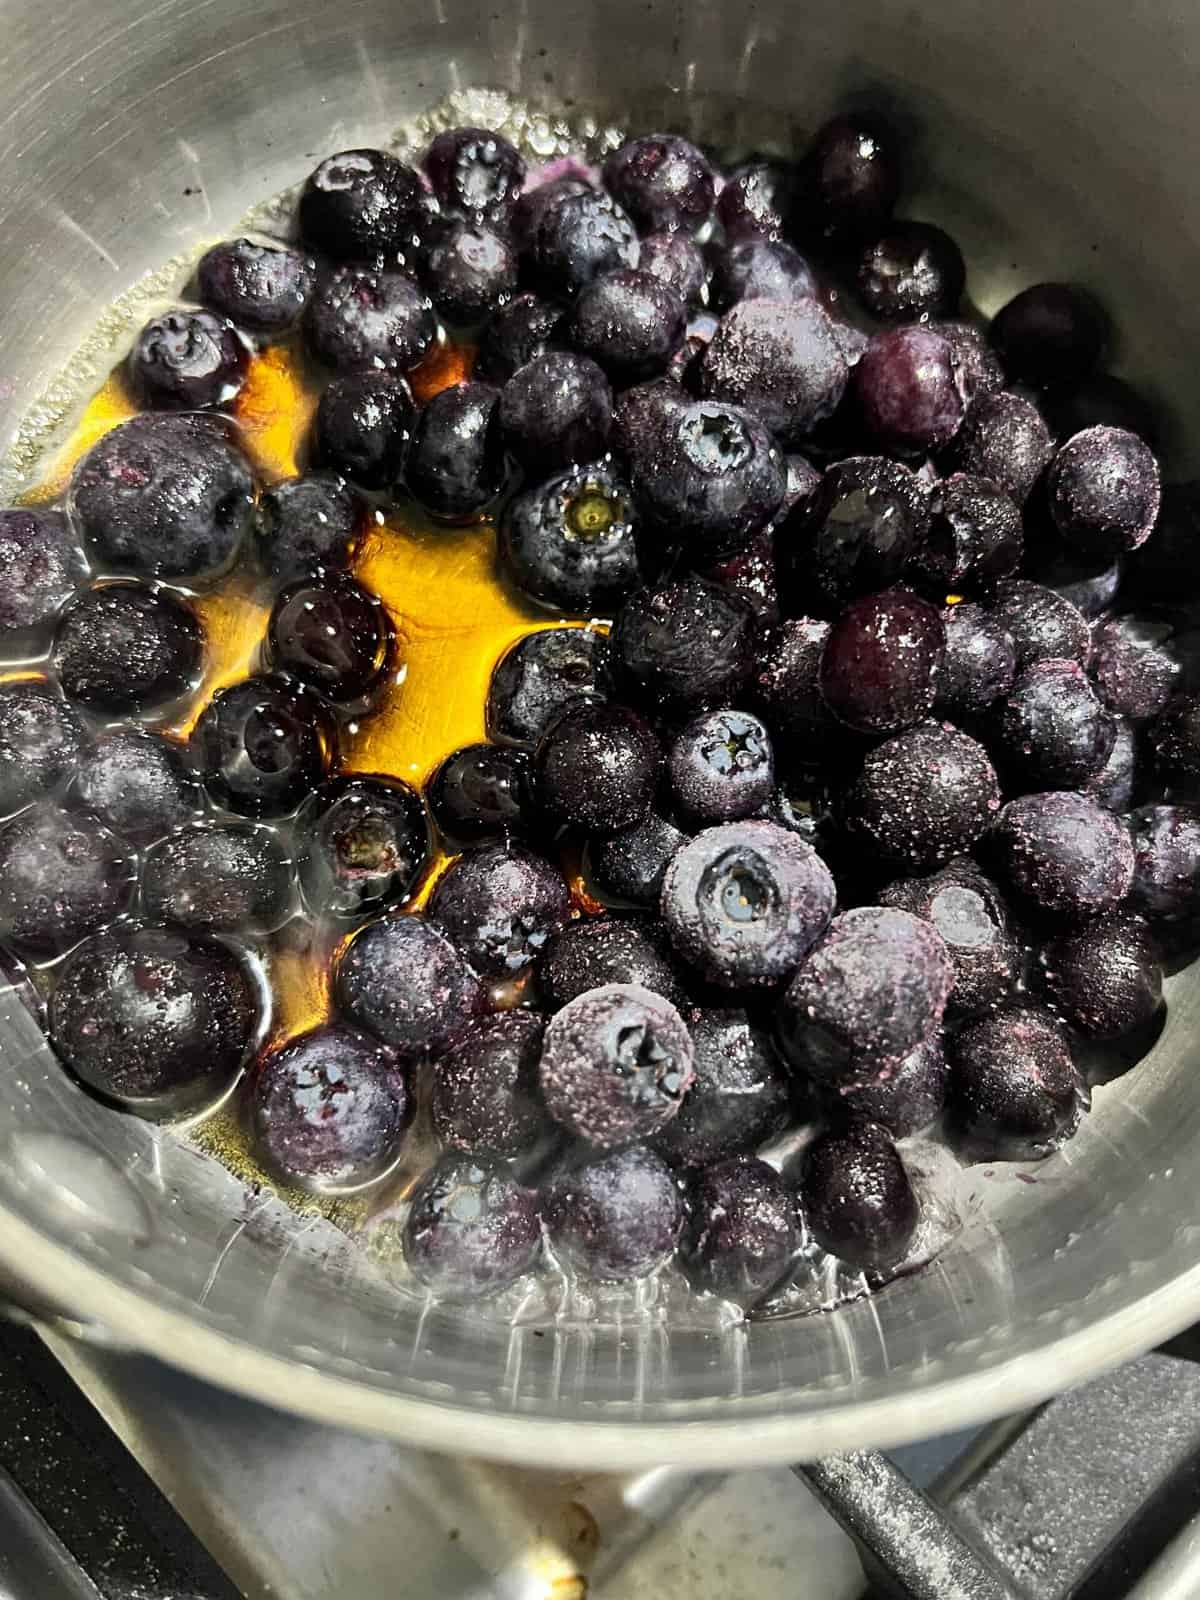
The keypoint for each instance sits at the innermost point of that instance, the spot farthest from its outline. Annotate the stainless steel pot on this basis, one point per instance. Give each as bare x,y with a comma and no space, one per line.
1056,141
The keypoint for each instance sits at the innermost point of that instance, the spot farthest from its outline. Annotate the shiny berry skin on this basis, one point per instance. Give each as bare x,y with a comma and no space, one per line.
1053,730
472,1230
980,371
1105,977
516,333
305,523
686,644
474,171
481,791
364,318
41,567
220,877
980,663
662,181
139,784
361,843
401,978
363,426
908,390
332,635
907,1101
535,203
721,767
1050,333
754,200
262,745
911,272
158,1020
881,660
676,261
745,902
123,647
500,903
455,464
1064,852
579,237
780,359
597,769
857,1197
1090,586
62,876
164,496
186,360
616,1062
569,542
615,1218
850,179
359,204
1042,624
41,742
1134,664
629,322
484,1096
628,867
468,270
761,269
968,911
786,688
596,951
1119,779
541,676
749,574
1104,491
1015,1093
263,287
556,410
1166,864
974,538
740,1098
1005,439
743,1230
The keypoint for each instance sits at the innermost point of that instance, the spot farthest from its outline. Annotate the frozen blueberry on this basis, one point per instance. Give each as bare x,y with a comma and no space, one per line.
219,877
980,371
686,644
745,902
569,543
401,978
1053,730
1015,1093
62,876
1043,626
662,181
154,1018
305,523
484,1096
911,272
980,664
596,951
1064,852
361,844
1099,401
871,991
1166,864
261,745
754,200
1104,491
536,202
857,1196
743,1230
967,910
616,1062
780,359
472,1229
41,742
752,268
1005,439
165,496
139,784
455,464
1090,586
332,635
749,574
475,171
974,537
629,322
359,204
907,1101
366,318
721,767
881,660
1118,780
1174,737
676,261
1105,976
468,269
616,1217
123,647
579,237
786,683
363,426
41,567
263,287
641,415
500,903
515,334
908,389
1134,665
628,867
850,179
597,769
541,676
186,360
1050,333
480,791
741,1096
556,410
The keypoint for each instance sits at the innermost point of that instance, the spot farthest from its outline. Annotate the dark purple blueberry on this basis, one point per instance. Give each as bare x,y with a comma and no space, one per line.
881,660
359,204
1104,491
596,951
872,990
627,321
975,536
468,270
1043,626
541,676
139,784
219,877
677,261
305,523
980,372
1015,1093
1090,586
786,683
911,272
754,200
332,635
569,542
628,867
743,1230
364,318
474,171
662,181
1099,401
62,876
535,203
907,1101
402,978
41,742
850,179
1174,737
363,426
1005,439
329,1109
740,1098
908,389
556,410
165,496
1105,976
485,1097
615,1065
857,1196
752,268
472,1230
1118,780
967,910
500,903
480,791
263,287
616,1217
780,359
579,237
361,844
750,575
641,416
154,1018
1064,852
261,745
123,647
455,464
721,767
686,644
41,567
745,902
597,769
1053,731
1134,666
980,664
1050,333
186,360
1166,864
517,333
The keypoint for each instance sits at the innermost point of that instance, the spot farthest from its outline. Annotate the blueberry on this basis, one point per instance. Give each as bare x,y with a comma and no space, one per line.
332,635
556,410
263,287
1053,730
1015,1093
541,676
744,903
616,1217
907,1101
569,543
740,1098
663,182
857,1196
500,903
881,660
628,867
1090,586
165,496
1104,492
62,876
359,204
980,372
1134,665
786,684
980,664
743,1230
676,261
261,745
579,237
366,318
468,270
1174,738
139,784
597,951
484,1097
641,415
361,844
968,911
627,321
1166,864
305,523
41,742
1005,439
687,644
1105,976
850,178
1099,401
871,991
401,978
721,767
480,791
41,567
597,769
156,1019
1118,780
1050,333
750,575
123,647
1042,624
975,536
220,877
515,334
472,1229
475,171
752,268
909,390
911,272
780,359
186,360
363,426
534,204
1064,852
455,463
754,200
